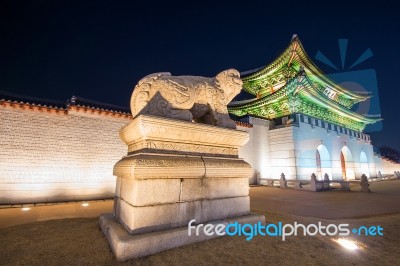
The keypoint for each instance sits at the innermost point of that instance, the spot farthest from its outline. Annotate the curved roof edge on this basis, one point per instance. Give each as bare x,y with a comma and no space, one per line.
296,51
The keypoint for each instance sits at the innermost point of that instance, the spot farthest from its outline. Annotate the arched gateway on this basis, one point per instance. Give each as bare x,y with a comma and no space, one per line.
347,163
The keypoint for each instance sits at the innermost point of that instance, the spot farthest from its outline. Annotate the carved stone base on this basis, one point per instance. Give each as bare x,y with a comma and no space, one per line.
157,134
138,220
176,171
127,246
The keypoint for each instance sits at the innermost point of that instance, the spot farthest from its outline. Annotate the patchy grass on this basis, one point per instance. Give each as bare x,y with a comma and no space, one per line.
81,242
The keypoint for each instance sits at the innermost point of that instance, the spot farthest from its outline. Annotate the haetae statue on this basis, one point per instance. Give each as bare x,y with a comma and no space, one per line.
189,98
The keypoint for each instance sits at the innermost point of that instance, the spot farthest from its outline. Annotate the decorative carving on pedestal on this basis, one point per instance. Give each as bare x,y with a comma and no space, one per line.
152,134
176,169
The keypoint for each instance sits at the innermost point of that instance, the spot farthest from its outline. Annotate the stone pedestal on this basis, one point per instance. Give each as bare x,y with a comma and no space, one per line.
176,171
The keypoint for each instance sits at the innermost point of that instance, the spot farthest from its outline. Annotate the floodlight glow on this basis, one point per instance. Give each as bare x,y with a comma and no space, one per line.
348,244
85,204
25,209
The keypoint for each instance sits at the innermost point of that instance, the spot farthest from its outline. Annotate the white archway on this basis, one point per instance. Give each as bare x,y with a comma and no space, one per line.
364,169
323,160
347,163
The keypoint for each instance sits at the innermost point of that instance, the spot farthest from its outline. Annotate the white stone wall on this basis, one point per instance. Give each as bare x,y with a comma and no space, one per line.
256,151
312,133
282,153
385,166
292,150
47,156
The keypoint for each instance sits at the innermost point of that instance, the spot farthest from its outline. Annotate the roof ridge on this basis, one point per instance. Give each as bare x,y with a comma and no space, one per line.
6,95
80,100
74,100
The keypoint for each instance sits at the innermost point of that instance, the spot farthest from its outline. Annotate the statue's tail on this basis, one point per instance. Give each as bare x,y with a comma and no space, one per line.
143,92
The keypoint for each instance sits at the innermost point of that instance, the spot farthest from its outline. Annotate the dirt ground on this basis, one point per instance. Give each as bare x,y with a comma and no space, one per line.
80,242
331,204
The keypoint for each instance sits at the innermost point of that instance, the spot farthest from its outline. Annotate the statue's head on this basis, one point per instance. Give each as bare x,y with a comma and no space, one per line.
229,80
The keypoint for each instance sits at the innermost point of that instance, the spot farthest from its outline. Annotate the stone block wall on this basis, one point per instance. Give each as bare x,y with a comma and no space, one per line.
51,155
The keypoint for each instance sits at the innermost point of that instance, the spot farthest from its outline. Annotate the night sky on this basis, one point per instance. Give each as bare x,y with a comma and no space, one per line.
100,50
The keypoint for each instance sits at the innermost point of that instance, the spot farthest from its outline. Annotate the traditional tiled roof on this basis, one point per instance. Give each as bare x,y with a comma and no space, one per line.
74,101
299,96
78,101
243,124
22,99
241,121
295,54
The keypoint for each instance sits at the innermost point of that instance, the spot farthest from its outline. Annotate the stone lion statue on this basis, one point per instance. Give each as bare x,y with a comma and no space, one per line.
189,98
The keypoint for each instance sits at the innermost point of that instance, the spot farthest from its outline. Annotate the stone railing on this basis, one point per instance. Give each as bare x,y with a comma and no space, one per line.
283,182
321,185
316,185
382,177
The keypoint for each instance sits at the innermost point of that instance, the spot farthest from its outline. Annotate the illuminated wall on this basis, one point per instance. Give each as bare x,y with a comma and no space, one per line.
256,151
385,166
331,140
282,157
292,150
48,155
